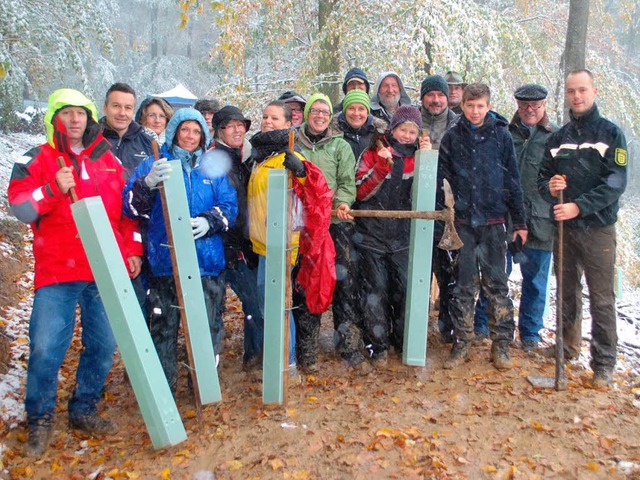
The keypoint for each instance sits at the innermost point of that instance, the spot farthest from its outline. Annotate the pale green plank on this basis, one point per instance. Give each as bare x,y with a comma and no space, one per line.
275,283
420,251
127,322
191,285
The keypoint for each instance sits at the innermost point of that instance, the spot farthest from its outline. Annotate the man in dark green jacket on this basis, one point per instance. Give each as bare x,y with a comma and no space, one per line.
530,128
587,160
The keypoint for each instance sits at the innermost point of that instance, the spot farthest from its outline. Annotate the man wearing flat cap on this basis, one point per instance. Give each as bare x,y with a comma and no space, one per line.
530,128
456,86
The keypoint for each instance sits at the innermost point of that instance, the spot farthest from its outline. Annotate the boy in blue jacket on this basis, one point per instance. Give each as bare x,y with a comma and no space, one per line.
478,159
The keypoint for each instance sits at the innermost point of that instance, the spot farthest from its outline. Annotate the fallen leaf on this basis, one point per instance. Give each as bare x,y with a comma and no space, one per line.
593,466
489,469
233,465
165,474
276,464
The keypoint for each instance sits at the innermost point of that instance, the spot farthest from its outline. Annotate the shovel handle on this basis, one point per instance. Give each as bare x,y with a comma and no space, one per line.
72,190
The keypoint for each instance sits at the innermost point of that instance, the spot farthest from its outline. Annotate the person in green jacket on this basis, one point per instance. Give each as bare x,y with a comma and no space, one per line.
326,148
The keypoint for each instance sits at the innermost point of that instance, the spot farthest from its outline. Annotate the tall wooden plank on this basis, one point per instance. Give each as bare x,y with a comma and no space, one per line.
147,378
420,252
189,287
273,375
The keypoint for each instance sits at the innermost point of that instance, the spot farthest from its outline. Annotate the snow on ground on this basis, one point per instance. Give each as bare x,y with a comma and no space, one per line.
15,318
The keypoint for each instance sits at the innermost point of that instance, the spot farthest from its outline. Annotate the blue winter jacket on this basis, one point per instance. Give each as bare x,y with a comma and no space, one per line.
481,167
209,195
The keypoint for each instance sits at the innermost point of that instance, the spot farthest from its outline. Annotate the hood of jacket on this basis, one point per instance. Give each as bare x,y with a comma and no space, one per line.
183,115
375,99
67,97
355,73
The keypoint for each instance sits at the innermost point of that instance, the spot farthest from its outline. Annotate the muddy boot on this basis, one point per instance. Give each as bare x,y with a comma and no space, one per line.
459,354
39,438
602,377
500,355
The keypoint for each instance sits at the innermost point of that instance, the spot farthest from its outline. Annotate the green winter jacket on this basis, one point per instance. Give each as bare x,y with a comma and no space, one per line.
333,155
529,145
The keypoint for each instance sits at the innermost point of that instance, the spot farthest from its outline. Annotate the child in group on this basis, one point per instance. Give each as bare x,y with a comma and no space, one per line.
478,159
384,179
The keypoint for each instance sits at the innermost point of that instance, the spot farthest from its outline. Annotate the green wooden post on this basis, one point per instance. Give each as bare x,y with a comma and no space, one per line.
204,358
275,284
149,383
420,250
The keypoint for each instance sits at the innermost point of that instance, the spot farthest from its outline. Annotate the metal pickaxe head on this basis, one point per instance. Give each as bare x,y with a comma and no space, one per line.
450,239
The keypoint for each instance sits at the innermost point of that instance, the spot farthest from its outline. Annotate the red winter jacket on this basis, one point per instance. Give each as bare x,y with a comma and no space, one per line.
317,273
35,198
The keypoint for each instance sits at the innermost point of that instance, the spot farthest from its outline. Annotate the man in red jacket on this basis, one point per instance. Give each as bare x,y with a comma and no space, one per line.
38,195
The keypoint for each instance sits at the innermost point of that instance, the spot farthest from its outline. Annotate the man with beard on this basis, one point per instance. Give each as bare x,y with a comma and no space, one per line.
436,115
436,118
389,95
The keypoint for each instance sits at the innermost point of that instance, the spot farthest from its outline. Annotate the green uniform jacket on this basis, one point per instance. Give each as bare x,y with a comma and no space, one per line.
529,145
333,155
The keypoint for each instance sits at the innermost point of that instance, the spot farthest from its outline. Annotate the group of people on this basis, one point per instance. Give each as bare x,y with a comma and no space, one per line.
359,155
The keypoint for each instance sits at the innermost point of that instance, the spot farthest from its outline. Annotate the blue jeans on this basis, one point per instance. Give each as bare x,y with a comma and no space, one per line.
262,263
534,266
244,281
51,326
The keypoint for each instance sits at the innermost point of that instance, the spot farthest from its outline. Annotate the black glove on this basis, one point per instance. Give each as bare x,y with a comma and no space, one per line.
294,164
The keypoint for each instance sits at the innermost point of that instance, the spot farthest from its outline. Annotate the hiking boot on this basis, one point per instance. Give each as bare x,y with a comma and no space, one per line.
529,345
380,359
39,437
91,423
447,337
479,338
458,355
254,363
309,369
357,363
550,352
602,378
500,355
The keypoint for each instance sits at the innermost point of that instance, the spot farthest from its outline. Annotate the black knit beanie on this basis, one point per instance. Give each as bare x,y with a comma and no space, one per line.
434,82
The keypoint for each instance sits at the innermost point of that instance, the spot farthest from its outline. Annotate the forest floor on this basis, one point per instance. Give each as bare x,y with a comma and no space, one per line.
402,422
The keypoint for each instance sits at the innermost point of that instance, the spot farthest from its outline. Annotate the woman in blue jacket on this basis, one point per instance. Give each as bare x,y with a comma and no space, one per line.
213,208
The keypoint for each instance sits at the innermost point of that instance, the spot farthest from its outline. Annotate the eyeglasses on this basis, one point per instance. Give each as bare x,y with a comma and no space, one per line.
296,110
530,106
234,126
315,111
157,116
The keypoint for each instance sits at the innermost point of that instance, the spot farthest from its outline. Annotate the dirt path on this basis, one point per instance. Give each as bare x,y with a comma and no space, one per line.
399,422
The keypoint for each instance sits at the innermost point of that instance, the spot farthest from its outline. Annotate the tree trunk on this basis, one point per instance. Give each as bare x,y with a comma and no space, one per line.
154,31
329,61
576,41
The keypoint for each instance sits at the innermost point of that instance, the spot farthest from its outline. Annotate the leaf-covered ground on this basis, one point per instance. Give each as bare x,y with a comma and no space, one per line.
398,422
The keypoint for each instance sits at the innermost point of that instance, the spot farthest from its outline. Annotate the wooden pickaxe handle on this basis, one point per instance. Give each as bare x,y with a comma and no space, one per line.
422,215
72,190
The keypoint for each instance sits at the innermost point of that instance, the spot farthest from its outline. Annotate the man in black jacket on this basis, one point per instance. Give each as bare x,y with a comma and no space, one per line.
129,142
587,160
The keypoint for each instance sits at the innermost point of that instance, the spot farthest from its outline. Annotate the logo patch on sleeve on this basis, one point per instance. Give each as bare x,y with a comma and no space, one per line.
621,157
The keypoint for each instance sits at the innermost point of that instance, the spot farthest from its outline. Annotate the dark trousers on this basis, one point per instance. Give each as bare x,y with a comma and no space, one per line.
165,320
592,250
480,264
346,315
307,324
383,293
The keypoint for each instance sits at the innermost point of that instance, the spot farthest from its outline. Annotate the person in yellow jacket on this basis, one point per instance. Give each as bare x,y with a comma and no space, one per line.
314,273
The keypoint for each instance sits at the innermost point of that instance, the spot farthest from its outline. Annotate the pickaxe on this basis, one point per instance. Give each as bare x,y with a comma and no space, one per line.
450,239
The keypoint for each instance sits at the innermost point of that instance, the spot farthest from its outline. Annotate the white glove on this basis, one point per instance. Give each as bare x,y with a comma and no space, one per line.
200,226
160,172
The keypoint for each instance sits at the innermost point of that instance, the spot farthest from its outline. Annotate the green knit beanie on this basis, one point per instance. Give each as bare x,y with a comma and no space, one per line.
312,99
356,96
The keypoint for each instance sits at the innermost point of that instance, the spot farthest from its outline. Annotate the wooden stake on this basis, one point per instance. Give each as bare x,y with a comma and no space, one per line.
178,285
